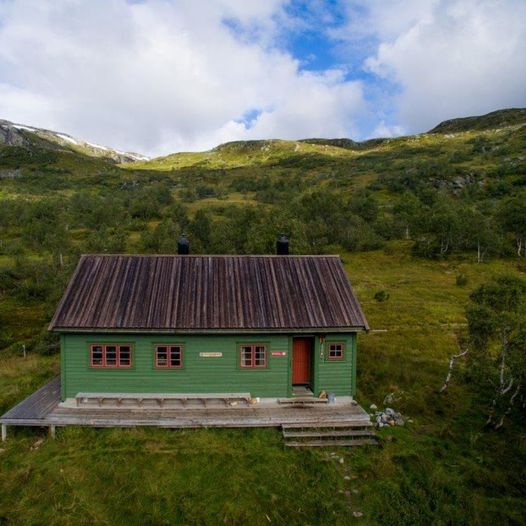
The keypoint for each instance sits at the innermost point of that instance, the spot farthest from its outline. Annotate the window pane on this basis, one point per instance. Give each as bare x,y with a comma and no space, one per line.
125,355
246,356
111,355
175,356
335,350
162,356
259,356
96,355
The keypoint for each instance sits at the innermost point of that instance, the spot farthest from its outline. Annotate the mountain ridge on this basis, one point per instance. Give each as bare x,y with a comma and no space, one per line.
22,135
495,119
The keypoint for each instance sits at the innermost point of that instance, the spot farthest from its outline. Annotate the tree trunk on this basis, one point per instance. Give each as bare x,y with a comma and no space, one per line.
510,406
444,245
502,389
452,361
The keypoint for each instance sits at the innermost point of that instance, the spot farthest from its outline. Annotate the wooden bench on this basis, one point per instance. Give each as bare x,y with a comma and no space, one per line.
228,399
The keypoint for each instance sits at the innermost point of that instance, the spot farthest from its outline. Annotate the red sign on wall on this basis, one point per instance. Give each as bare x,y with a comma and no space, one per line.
279,353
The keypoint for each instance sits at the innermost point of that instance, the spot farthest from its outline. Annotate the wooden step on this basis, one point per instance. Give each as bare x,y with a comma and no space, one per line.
326,425
302,401
327,433
333,443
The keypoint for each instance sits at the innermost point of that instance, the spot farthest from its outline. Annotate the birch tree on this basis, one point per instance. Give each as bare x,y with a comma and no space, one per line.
512,215
497,345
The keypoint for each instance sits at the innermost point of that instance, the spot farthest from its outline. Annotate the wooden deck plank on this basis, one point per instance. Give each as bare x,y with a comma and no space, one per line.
36,406
349,416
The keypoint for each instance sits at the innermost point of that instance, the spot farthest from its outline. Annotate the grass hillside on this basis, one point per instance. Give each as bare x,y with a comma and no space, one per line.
426,219
493,120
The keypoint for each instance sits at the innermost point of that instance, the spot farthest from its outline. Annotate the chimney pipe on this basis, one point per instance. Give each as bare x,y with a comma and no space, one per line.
282,246
183,245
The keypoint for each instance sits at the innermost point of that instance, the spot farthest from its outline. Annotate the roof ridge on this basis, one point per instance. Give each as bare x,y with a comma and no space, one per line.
215,255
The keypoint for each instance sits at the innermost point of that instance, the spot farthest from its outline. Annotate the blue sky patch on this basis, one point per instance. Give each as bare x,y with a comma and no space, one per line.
249,118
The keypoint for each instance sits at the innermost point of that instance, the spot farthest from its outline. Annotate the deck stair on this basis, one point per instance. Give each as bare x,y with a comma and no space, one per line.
329,434
302,401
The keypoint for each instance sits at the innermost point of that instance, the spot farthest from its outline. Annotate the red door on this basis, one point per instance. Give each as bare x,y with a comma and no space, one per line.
301,355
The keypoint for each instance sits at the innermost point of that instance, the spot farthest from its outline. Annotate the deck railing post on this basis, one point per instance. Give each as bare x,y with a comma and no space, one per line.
4,432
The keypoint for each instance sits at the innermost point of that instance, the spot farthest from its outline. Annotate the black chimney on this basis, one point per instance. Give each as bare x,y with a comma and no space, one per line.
183,245
282,246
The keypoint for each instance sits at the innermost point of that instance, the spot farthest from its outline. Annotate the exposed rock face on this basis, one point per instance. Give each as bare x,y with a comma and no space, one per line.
456,184
12,134
10,174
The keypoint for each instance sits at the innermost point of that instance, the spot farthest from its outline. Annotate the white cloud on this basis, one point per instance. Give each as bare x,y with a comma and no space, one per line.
161,76
385,130
450,58
158,76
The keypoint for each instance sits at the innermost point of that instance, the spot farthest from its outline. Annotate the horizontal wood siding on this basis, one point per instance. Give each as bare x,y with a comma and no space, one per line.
336,376
197,375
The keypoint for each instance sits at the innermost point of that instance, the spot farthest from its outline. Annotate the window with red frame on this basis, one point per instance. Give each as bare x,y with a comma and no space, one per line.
168,356
336,351
253,356
110,356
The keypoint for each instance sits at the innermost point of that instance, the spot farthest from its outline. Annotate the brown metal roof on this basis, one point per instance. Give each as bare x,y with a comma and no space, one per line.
208,293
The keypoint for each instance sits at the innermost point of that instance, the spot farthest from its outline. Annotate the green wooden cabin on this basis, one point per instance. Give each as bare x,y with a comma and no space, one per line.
271,326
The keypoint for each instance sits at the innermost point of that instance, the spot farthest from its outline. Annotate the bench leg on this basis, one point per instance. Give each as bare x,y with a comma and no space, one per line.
52,431
4,432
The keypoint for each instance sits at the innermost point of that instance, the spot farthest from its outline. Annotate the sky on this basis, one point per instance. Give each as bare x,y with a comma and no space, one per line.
161,76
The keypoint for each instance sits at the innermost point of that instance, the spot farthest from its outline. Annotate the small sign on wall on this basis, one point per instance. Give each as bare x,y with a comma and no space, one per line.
279,353
210,354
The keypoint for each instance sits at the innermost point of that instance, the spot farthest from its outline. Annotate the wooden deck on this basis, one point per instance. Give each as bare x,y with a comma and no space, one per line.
34,409
42,409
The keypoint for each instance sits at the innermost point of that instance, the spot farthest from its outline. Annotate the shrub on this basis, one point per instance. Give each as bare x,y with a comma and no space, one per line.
381,295
462,280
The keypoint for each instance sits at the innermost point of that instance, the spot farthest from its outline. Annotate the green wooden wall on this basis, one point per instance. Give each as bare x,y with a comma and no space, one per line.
200,374
336,376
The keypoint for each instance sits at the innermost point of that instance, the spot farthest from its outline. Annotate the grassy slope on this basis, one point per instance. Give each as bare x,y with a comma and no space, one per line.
441,468
495,119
